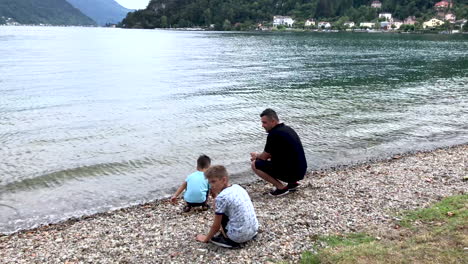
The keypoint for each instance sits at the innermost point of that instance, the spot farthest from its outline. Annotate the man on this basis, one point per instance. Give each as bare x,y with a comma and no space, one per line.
283,158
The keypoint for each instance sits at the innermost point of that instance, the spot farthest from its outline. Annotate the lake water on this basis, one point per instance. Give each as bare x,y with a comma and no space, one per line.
93,119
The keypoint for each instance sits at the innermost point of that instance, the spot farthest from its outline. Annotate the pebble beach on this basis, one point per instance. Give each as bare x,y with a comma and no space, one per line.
358,198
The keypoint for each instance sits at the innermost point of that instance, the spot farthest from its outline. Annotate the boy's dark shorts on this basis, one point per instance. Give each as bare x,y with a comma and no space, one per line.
197,204
285,176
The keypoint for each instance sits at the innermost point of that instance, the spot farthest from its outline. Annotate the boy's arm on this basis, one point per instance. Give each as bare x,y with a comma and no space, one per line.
213,230
178,192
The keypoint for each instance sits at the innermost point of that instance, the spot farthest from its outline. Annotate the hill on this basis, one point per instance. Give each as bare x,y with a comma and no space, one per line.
225,14
54,12
102,11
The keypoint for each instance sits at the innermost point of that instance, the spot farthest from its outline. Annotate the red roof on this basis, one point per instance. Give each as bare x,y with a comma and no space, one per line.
442,4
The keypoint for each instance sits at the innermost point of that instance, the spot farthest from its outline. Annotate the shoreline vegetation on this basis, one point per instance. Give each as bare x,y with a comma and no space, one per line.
426,32
242,15
345,214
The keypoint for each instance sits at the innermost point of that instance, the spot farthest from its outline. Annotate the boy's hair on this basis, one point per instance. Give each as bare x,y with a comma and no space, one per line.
270,113
203,161
217,171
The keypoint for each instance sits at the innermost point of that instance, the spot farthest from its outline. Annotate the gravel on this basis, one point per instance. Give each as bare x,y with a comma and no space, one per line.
359,198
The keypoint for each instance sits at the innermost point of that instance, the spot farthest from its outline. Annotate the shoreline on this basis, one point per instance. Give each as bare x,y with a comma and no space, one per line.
350,165
345,198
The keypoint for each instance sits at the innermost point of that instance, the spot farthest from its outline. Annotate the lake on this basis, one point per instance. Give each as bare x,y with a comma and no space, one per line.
94,119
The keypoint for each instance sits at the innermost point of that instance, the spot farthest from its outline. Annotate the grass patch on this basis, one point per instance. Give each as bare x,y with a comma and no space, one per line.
448,210
438,234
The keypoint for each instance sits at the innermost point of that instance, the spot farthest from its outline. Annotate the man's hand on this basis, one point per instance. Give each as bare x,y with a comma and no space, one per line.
201,238
173,199
253,156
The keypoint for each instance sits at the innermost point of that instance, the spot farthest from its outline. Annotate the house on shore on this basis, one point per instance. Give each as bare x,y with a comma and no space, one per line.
396,24
432,23
309,22
411,20
461,23
324,25
376,4
367,25
387,16
283,20
443,4
450,17
385,25
349,24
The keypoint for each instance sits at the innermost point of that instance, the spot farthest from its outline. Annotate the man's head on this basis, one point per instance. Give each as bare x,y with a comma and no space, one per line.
203,162
269,119
218,178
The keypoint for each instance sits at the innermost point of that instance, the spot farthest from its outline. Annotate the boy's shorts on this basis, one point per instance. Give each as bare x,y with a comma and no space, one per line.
196,204
267,167
199,204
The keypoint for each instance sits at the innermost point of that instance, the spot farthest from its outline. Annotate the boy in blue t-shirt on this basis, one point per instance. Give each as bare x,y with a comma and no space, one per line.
196,186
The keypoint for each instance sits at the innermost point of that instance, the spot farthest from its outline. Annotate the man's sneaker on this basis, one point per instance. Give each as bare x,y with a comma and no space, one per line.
221,241
292,186
279,192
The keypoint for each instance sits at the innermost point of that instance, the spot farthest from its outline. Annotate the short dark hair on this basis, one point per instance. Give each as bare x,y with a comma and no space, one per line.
270,113
203,161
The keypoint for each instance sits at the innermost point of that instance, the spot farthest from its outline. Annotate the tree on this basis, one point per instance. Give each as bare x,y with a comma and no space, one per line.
226,25
164,22
339,24
207,16
207,12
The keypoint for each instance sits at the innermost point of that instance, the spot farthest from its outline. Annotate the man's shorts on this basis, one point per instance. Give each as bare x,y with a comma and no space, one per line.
285,176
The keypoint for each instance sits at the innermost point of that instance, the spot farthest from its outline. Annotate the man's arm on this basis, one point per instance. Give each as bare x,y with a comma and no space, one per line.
263,156
213,230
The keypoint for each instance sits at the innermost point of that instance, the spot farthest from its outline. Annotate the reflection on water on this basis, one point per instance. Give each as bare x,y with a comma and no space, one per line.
93,119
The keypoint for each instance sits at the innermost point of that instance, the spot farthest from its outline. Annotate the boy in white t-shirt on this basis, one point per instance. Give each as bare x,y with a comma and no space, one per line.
234,212
196,186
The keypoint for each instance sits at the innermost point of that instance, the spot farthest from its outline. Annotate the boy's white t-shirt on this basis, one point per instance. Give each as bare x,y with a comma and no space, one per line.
235,203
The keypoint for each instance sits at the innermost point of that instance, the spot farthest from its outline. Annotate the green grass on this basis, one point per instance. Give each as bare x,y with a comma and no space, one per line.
456,206
437,234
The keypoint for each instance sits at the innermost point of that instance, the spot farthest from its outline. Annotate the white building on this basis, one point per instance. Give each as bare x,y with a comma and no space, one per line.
397,24
450,17
282,20
309,22
324,24
349,24
367,25
434,22
387,16
376,4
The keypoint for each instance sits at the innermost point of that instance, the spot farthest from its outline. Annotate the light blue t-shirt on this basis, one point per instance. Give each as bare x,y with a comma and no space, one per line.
197,188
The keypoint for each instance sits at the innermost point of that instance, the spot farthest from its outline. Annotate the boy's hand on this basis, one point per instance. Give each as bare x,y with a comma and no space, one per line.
201,238
173,199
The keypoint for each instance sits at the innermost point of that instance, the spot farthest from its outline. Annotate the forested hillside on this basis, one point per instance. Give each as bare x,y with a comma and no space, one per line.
226,13
54,12
101,11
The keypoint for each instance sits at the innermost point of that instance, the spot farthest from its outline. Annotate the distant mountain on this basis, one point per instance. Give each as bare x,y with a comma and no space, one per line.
54,12
102,11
